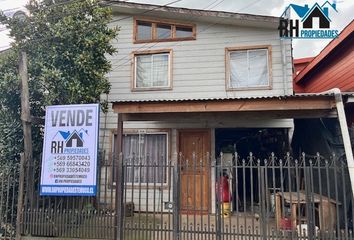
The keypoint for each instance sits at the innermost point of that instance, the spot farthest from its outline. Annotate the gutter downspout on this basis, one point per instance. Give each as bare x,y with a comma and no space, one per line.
345,134
283,60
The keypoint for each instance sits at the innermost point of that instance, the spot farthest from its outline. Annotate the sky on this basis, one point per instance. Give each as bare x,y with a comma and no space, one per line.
302,47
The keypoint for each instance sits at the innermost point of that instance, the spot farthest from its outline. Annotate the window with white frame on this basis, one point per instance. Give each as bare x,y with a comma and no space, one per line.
145,157
248,68
152,71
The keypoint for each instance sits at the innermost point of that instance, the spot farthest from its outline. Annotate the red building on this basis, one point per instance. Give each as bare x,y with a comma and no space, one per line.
333,67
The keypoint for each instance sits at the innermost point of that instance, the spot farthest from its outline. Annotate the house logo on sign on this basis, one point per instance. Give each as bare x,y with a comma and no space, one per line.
67,139
308,22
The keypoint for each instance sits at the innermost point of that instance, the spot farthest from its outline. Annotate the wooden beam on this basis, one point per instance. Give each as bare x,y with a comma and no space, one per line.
224,116
236,105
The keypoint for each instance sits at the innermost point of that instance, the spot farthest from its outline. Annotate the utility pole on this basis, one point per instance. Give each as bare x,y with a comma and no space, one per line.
25,107
26,123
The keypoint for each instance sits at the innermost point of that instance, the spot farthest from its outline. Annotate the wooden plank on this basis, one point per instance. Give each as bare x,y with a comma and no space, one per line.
293,216
274,104
195,185
223,117
278,210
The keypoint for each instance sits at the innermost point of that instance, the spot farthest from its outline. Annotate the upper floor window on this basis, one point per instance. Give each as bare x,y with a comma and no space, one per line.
162,31
152,70
248,68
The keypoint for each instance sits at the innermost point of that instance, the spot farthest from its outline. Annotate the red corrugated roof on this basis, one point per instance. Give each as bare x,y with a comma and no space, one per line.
303,60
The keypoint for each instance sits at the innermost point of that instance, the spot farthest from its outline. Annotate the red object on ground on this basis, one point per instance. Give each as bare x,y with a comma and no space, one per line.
223,190
285,223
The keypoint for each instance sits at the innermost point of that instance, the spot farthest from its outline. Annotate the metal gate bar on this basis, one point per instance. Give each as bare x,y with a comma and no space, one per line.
279,198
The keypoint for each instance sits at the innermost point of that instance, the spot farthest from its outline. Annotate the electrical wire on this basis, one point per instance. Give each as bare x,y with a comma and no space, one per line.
142,13
114,66
113,21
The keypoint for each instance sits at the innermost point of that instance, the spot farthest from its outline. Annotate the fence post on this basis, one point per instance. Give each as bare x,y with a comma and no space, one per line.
309,202
119,198
20,197
176,201
119,180
262,200
218,202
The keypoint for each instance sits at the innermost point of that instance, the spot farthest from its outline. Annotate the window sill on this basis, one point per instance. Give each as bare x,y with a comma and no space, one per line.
249,88
164,40
151,89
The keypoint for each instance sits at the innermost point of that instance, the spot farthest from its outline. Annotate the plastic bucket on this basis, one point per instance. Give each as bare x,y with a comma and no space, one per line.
226,209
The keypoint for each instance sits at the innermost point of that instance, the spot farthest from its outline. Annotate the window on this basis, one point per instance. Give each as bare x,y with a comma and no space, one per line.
145,157
248,68
144,30
160,31
152,70
163,31
183,32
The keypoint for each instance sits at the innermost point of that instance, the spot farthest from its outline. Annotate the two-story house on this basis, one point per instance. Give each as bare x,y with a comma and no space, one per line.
188,84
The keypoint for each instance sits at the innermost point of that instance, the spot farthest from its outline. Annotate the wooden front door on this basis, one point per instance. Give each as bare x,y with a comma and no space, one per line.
194,146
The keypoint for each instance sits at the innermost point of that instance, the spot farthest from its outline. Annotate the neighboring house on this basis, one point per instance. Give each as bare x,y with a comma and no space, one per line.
300,64
198,82
333,67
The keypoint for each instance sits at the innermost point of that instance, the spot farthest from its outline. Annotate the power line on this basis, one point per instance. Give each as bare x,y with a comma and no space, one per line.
201,31
211,4
144,12
217,4
142,47
117,20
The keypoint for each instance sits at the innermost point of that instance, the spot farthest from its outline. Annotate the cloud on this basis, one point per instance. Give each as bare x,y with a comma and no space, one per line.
302,48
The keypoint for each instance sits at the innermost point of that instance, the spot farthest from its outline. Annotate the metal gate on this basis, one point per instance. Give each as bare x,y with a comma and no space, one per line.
69,217
236,197
8,202
201,197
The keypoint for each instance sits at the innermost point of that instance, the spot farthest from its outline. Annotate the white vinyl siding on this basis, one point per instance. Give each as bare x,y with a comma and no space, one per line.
198,67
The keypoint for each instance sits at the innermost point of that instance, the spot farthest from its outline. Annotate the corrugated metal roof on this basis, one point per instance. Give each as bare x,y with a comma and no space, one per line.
167,11
234,98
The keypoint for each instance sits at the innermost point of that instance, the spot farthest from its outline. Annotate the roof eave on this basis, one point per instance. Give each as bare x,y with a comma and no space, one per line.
139,8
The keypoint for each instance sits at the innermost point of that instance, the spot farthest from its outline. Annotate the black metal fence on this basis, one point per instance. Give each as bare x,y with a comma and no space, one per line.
8,202
236,198
195,197
70,217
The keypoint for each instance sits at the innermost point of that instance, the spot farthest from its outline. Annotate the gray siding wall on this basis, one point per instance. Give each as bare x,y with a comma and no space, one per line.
199,65
198,72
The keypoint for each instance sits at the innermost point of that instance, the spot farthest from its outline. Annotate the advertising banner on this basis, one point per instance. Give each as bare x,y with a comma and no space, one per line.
69,163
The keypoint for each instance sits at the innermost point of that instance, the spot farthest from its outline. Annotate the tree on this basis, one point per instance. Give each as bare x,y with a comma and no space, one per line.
66,43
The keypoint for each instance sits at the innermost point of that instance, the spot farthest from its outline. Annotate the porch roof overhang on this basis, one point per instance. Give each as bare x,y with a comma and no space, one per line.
291,106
